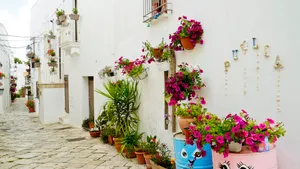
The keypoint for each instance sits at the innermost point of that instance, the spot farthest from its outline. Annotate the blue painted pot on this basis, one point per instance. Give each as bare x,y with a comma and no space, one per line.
185,154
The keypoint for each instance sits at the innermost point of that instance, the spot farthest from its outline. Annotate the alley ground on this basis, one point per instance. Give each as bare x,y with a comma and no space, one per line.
26,143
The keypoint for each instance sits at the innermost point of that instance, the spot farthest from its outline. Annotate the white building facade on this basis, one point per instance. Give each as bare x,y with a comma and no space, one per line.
6,59
110,29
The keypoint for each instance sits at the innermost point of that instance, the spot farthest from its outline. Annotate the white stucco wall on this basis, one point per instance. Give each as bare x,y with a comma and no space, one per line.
114,29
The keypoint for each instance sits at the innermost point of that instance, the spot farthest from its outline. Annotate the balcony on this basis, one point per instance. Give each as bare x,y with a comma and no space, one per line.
154,10
69,39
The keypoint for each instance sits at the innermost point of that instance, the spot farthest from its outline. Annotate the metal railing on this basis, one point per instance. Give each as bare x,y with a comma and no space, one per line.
152,8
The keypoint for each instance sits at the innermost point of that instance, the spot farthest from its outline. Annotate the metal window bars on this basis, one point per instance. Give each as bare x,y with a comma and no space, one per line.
153,8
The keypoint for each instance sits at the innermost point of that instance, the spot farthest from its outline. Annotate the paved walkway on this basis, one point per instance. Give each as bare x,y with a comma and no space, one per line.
26,143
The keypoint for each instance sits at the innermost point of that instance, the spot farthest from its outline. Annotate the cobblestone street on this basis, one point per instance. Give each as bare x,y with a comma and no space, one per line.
26,143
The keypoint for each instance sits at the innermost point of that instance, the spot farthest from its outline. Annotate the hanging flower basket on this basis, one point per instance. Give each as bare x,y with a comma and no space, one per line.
141,76
157,52
163,66
37,64
74,17
187,44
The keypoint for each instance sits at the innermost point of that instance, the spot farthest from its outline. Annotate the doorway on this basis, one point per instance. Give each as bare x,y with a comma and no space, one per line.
91,97
66,79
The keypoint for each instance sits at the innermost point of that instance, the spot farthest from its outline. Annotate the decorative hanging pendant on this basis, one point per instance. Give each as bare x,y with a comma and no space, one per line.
266,52
244,46
234,54
278,66
254,45
226,65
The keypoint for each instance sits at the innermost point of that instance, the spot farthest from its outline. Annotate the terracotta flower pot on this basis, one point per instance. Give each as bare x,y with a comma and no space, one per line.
117,141
129,155
184,122
147,160
187,44
94,134
140,157
118,147
91,125
110,140
157,52
155,166
31,109
186,132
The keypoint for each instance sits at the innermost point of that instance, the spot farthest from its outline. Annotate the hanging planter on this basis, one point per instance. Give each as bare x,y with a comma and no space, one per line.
2,75
141,76
52,64
51,35
134,69
163,66
188,34
187,44
157,52
30,54
37,64
60,14
74,15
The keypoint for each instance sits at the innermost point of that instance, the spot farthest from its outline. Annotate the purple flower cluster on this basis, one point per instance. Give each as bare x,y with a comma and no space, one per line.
183,84
188,29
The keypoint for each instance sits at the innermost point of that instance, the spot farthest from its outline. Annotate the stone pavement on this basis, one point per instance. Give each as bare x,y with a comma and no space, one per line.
26,144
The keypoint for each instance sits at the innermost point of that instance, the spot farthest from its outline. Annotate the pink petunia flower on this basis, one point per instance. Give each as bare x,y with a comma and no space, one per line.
271,121
197,134
262,126
208,138
207,128
220,139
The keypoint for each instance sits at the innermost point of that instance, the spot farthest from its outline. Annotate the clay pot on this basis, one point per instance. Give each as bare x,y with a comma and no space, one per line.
118,147
155,166
184,122
91,125
110,140
157,52
94,134
31,109
129,155
186,43
186,132
147,160
74,17
140,157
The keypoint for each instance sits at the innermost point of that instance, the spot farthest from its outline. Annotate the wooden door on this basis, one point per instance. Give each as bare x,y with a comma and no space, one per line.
66,93
91,97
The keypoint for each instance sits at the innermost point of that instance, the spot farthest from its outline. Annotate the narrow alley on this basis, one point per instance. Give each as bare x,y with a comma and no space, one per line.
26,143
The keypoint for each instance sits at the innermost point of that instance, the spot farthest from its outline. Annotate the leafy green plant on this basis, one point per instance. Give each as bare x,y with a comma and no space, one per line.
75,11
165,52
151,145
131,141
85,123
105,117
123,100
104,136
163,158
17,61
190,109
60,12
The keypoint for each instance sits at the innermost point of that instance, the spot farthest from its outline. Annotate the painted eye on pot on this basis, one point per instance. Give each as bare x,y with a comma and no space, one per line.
225,165
197,154
184,153
241,165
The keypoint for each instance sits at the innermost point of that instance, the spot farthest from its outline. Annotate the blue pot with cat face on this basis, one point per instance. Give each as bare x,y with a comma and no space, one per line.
187,156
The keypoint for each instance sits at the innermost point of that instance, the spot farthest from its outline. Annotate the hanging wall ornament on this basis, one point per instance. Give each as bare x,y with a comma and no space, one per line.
266,52
226,65
234,55
244,46
278,66
256,47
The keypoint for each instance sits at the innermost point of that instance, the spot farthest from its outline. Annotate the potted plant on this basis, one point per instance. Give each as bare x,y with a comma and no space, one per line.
240,129
104,136
30,105
151,149
30,54
85,124
52,62
60,14
51,35
107,72
134,69
37,62
111,133
139,152
51,52
162,160
188,34
2,75
94,132
130,142
161,55
74,15
187,112
183,84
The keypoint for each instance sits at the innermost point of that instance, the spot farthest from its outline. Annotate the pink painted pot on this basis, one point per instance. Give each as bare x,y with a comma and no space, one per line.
261,160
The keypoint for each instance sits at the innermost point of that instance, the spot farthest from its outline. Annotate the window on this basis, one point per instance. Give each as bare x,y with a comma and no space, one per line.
152,9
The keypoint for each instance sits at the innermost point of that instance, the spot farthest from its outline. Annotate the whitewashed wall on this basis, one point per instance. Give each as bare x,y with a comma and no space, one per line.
109,29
